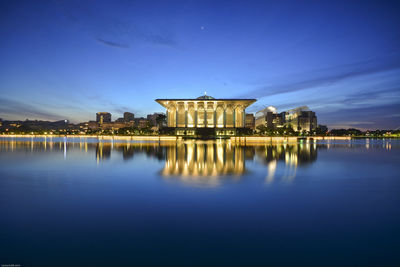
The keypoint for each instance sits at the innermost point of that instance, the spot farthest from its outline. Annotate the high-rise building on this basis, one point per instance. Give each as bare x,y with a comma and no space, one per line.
102,117
128,116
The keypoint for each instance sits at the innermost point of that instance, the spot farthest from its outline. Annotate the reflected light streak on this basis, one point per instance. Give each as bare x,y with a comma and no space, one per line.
65,147
271,172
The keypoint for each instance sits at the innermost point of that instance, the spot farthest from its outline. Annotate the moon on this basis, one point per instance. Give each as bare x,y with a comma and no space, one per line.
202,28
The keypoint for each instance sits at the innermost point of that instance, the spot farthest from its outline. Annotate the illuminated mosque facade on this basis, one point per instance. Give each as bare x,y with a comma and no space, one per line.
191,116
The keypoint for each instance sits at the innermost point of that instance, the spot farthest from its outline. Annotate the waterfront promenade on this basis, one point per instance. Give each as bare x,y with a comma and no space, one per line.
168,138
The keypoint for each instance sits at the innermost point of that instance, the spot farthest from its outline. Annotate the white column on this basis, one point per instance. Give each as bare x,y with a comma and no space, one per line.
224,117
234,117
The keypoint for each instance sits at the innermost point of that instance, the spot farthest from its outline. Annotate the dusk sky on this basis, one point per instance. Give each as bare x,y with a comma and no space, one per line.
71,59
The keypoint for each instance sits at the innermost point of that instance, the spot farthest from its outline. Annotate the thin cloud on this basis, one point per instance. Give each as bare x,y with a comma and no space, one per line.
160,39
377,117
356,100
356,122
98,100
327,77
371,95
112,44
13,109
110,30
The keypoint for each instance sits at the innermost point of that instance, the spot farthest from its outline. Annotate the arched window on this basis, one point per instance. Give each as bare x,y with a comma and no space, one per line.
200,116
210,115
220,117
239,117
181,116
171,116
229,116
190,117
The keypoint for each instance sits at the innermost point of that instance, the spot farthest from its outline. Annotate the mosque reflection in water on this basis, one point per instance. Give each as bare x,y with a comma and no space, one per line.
210,160
204,159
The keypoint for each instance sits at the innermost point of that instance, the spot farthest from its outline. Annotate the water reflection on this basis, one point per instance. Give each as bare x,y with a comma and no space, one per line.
204,162
293,155
103,151
197,162
204,159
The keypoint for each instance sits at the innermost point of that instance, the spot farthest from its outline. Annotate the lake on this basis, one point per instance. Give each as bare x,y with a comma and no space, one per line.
76,201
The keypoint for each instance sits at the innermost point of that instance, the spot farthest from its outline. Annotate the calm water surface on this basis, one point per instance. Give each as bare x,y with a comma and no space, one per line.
80,202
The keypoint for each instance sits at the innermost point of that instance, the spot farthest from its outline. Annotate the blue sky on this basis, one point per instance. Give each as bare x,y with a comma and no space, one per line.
70,59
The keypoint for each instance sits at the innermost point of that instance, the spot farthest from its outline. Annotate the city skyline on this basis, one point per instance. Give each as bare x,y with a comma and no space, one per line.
69,60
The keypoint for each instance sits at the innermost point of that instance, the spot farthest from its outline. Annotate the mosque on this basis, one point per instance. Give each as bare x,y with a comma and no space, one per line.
220,117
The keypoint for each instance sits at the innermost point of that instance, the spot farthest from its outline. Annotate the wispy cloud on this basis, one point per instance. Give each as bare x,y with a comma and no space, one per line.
15,109
334,104
372,117
113,31
366,96
355,122
112,44
11,109
326,77
160,39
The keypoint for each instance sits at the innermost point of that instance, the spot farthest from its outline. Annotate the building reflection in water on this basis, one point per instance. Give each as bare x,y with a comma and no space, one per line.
196,162
128,150
292,155
103,151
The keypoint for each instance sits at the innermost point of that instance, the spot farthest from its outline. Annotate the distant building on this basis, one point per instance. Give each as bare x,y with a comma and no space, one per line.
86,126
250,121
154,118
102,117
90,125
128,116
141,123
300,119
114,125
269,118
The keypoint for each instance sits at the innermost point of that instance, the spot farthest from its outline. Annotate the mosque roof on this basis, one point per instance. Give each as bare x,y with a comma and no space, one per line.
205,97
